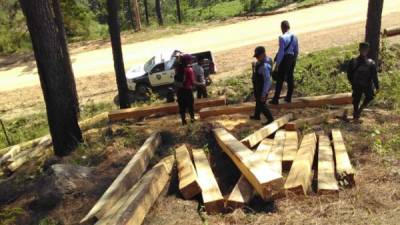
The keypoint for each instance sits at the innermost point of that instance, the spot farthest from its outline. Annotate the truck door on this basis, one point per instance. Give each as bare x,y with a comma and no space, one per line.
159,76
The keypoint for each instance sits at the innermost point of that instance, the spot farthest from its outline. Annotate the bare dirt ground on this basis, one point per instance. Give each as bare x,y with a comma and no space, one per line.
230,63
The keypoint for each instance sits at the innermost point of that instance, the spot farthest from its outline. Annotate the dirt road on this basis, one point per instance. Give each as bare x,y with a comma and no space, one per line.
216,39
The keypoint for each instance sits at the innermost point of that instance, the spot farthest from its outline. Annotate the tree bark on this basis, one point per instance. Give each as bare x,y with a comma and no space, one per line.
373,27
46,28
136,14
159,13
146,12
178,11
114,30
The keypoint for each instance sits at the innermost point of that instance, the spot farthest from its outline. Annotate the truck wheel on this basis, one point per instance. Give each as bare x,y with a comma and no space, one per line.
142,89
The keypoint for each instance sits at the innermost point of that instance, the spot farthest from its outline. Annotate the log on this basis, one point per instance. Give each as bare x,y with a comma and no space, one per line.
264,132
392,31
243,108
322,118
290,149
133,207
212,197
344,169
188,185
45,141
242,192
255,169
127,178
326,167
25,157
302,102
167,108
300,175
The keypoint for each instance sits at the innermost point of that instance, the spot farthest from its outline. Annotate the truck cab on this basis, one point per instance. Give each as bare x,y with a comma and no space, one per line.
158,72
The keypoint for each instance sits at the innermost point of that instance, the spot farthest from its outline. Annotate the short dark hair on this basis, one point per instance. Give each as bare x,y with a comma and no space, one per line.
363,45
285,25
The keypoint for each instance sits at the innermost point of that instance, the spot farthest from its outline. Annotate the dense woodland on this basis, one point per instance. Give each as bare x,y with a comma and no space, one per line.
87,19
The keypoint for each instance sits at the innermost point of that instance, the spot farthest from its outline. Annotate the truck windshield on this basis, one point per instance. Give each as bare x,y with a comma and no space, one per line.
149,64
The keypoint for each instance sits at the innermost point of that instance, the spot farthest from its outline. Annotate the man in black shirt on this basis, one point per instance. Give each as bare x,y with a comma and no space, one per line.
363,77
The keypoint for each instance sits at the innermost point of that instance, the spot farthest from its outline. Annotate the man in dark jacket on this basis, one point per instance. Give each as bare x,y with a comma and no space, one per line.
261,84
363,77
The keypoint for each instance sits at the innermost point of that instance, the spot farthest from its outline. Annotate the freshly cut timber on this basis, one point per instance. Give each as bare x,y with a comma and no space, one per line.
188,185
255,138
247,107
391,31
290,149
274,158
302,102
26,156
127,178
212,197
133,207
344,169
243,191
316,101
255,169
300,123
326,167
300,176
167,108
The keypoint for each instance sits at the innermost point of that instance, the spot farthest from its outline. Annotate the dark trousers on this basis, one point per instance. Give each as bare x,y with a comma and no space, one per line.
285,73
261,107
358,92
201,92
186,103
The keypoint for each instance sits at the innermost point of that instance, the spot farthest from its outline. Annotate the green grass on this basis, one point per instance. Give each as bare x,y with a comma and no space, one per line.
9,215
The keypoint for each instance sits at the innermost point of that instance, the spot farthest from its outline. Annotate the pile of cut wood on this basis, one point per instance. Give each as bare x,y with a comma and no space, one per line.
263,161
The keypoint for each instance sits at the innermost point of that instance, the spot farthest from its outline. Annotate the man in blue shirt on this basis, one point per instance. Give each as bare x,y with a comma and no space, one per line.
285,61
261,84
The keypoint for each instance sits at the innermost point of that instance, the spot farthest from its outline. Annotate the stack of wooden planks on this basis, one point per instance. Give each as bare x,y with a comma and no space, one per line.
131,195
167,108
302,102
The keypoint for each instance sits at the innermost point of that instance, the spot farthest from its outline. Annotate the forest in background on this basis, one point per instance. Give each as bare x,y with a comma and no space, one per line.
87,19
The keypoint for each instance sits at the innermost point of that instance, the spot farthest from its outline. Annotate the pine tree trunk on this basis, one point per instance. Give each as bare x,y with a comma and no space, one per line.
146,12
159,13
373,28
45,25
136,14
178,11
114,30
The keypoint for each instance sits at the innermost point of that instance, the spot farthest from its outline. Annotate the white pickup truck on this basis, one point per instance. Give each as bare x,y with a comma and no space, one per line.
158,72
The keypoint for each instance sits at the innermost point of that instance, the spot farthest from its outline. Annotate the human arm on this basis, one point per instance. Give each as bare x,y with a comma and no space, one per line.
266,72
295,46
350,68
374,74
281,53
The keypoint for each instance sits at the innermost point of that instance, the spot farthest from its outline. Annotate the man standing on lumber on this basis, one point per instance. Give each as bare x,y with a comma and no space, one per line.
363,76
285,61
261,83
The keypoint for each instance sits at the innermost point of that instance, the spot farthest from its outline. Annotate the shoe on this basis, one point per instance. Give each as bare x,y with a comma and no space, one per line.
255,118
192,120
288,100
184,122
273,102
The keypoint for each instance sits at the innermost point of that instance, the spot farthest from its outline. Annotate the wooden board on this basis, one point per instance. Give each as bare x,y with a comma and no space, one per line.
391,31
127,178
299,178
302,102
243,191
212,197
133,207
322,118
344,169
256,137
274,159
227,110
326,167
290,149
188,185
255,169
167,108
